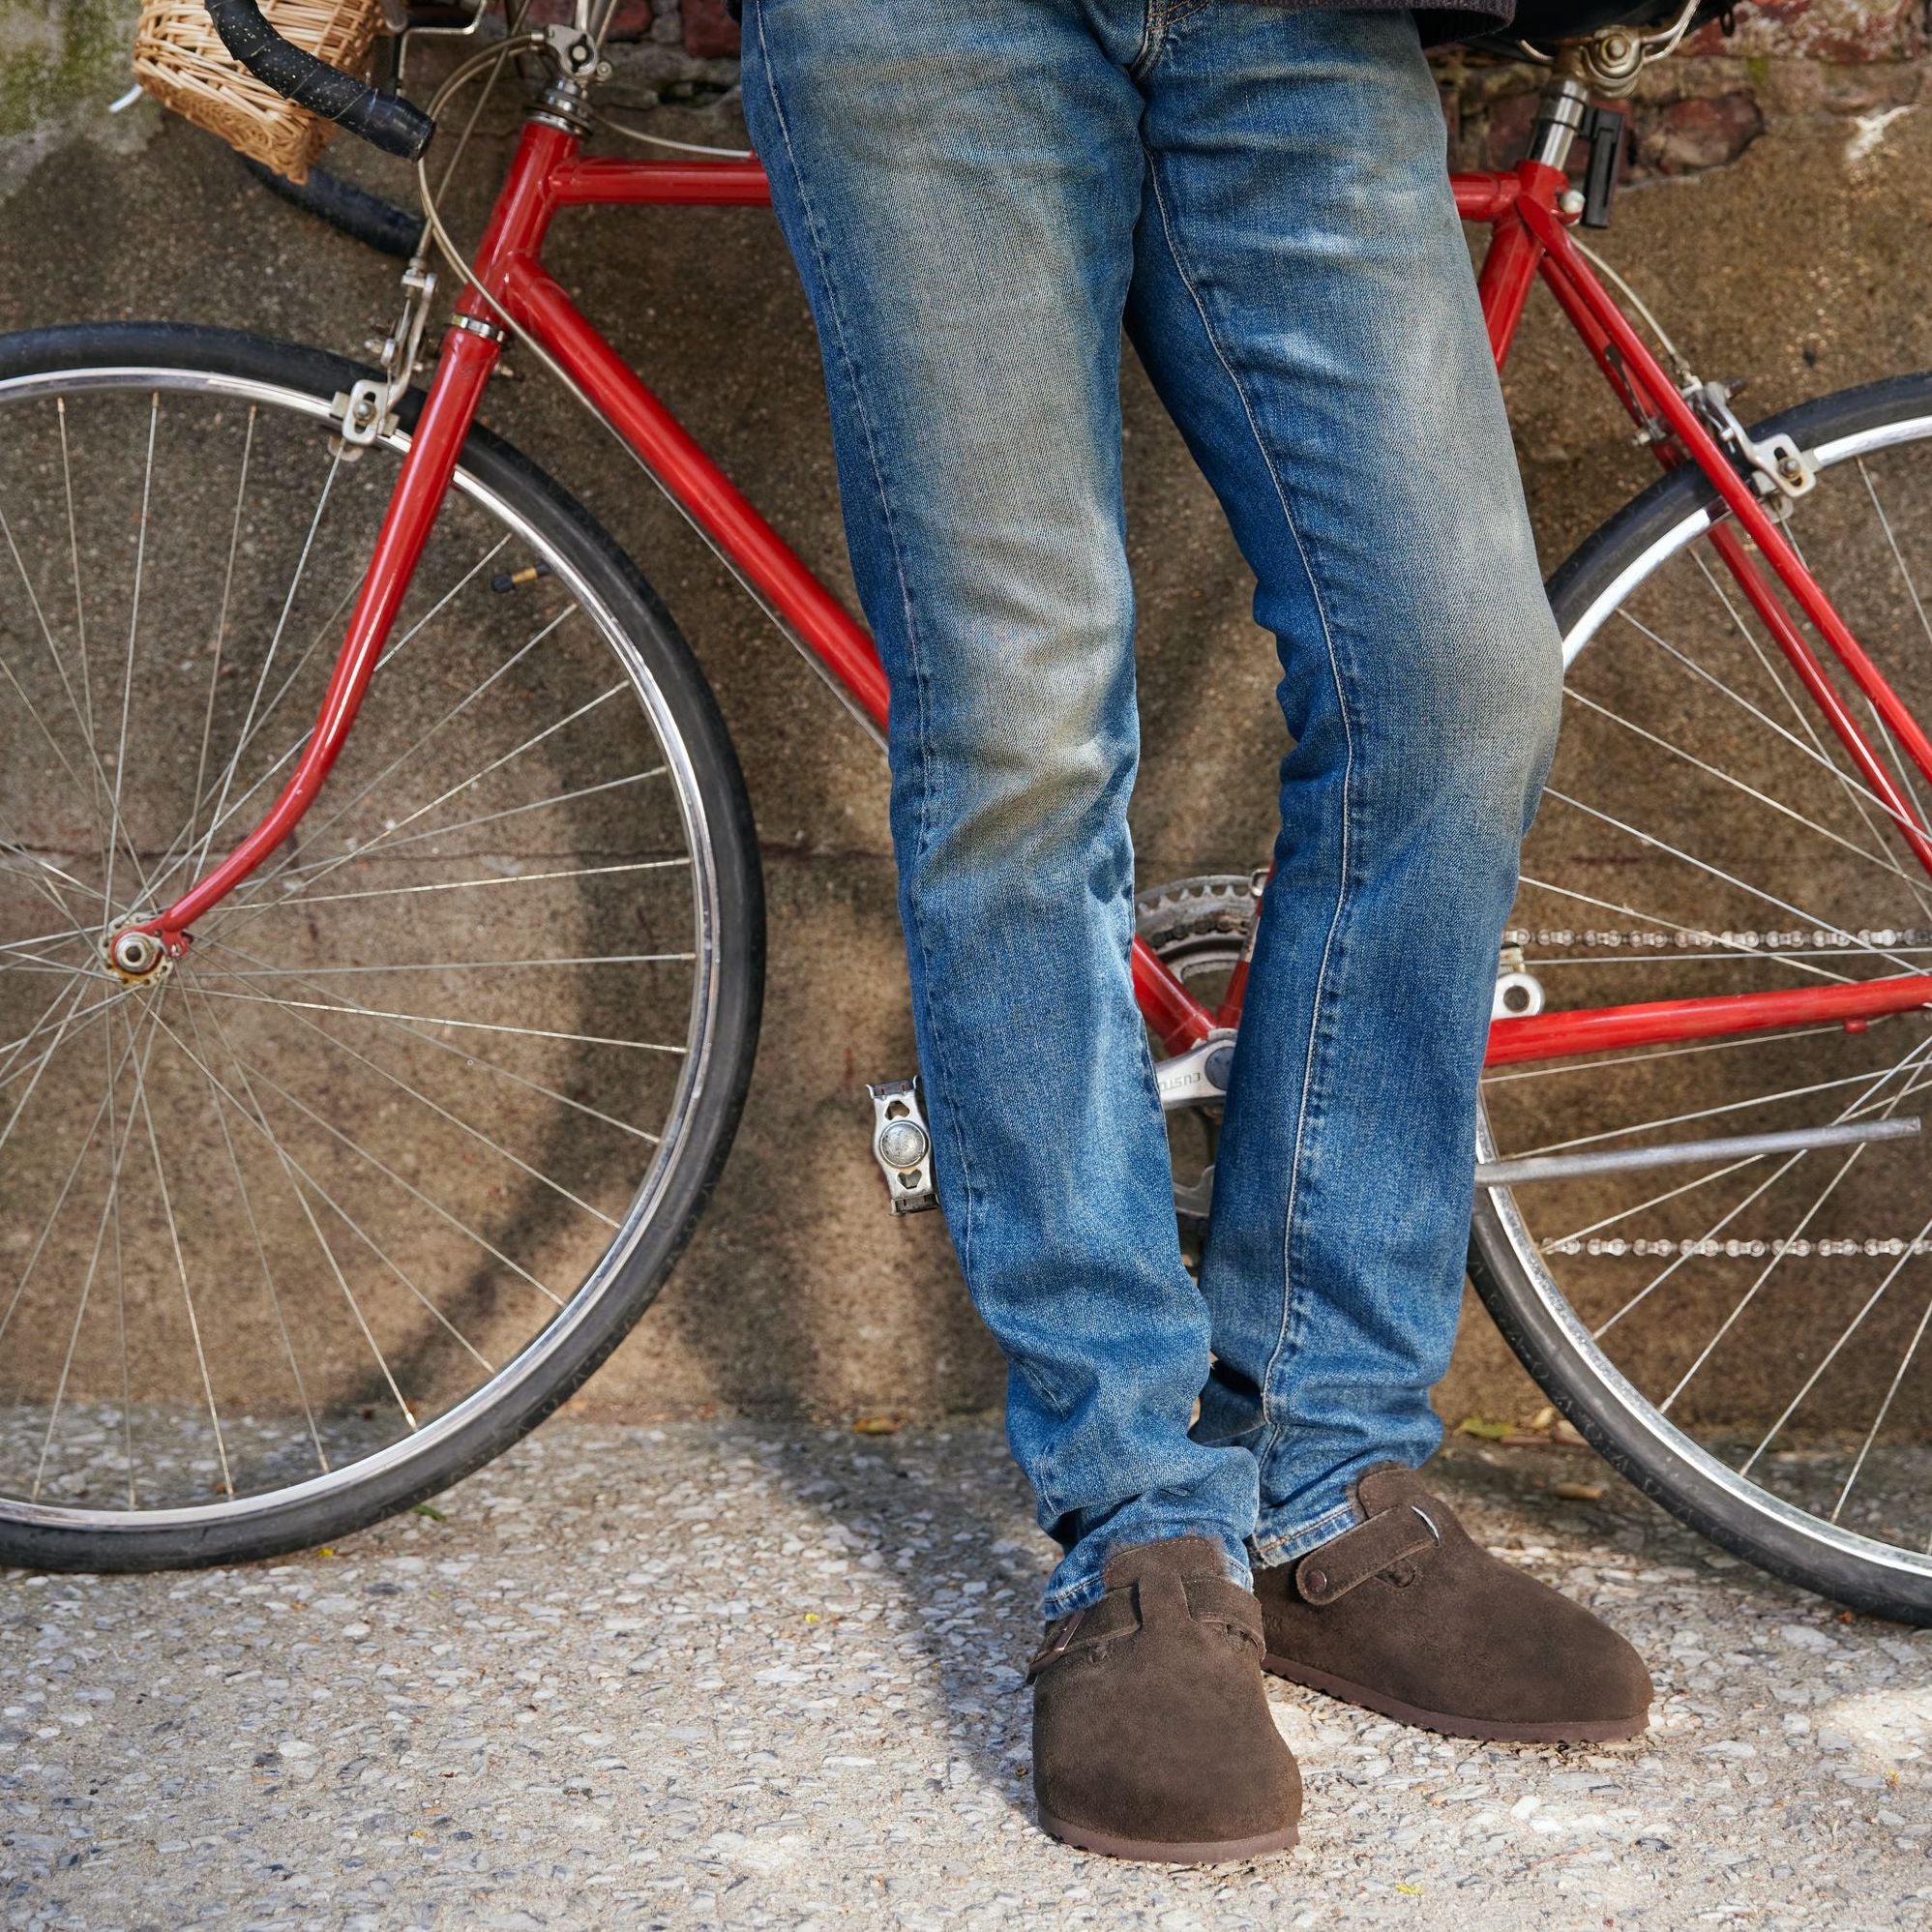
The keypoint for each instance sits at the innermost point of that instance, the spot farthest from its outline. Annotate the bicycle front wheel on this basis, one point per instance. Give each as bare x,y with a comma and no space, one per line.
366,1183
1746,1334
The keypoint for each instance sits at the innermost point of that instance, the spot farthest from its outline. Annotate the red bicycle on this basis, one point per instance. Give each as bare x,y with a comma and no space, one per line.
349,1126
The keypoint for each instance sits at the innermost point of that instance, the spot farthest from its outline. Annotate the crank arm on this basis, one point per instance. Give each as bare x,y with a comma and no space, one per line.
1198,1076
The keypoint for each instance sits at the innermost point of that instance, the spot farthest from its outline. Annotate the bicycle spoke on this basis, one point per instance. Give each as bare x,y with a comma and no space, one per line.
19,1112
94,793
174,1243
389,656
87,1019
58,937
120,1277
128,669
1854,791
451,1020
1718,873
1631,913
1771,724
342,1214
60,1198
43,875
464,1056
388,1173
1763,798
182,847
303,900
1918,1051
1832,1353
1703,1112
1883,1410
254,1115
395,650
457,966
118,1145
1907,783
454,712
475,1133
362,851
79,600
9,1054
219,645
242,1194
274,644
32,710
390,843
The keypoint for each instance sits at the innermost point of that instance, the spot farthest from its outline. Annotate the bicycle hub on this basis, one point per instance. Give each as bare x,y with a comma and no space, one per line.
136,956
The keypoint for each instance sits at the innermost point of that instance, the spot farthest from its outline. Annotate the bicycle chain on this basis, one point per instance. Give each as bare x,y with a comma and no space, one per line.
1659,1249
1656,938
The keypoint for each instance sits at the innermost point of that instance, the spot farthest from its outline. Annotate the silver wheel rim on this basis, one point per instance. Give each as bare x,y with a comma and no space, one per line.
522,1377
1668,1443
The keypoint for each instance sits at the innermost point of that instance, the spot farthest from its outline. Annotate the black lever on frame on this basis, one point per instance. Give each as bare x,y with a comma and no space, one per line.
1603,131
386,121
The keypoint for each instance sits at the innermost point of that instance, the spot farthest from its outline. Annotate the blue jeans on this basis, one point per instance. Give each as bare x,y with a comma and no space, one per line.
978,192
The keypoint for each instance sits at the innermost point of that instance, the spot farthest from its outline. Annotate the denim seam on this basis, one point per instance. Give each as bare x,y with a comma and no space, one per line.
1318,1033
1161,18
1287,1544
919,676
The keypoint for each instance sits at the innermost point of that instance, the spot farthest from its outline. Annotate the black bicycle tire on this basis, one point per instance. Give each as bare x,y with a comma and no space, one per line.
1538,1339
306,1523
353,211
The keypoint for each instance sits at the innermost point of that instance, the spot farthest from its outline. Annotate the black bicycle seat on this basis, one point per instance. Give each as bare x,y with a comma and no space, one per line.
1542,22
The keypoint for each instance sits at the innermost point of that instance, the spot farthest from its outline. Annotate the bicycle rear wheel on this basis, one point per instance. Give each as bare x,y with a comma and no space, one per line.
388,1163
1748,1337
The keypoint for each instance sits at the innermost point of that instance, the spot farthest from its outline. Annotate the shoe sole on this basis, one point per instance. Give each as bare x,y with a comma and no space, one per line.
1152,1850
1576,1731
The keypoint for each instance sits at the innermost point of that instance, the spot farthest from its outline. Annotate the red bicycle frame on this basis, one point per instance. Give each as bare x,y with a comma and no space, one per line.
1530,240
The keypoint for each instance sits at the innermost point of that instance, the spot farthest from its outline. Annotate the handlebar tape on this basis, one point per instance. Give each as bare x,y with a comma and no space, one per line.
385,121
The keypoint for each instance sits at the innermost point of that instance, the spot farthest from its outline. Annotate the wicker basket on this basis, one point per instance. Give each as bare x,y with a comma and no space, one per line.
180,60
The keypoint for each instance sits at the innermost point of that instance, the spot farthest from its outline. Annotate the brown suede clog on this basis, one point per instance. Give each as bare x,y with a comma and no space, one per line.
1153,1737
1407,1616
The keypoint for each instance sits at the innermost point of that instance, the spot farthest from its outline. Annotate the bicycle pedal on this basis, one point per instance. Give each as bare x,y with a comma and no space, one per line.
902,1143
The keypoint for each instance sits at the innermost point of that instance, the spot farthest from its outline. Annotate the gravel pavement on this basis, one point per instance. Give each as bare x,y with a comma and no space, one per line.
725,1675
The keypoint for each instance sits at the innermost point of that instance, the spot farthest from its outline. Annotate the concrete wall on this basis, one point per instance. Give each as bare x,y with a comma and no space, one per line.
1778,210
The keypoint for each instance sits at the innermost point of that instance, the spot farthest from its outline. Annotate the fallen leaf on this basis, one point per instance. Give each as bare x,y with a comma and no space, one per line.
1481,1425
878,1425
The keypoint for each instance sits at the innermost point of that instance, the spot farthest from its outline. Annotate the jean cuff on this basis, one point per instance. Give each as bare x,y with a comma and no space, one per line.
1086,1586
1278,1542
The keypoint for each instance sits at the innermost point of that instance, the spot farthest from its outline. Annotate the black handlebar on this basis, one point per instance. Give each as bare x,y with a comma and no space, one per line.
386,121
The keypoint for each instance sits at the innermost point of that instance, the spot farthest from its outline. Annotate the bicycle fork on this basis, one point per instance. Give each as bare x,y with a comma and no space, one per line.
148,947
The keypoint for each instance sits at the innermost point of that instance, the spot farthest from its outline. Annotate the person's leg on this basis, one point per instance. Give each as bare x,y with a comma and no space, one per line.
1304,300
960,184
